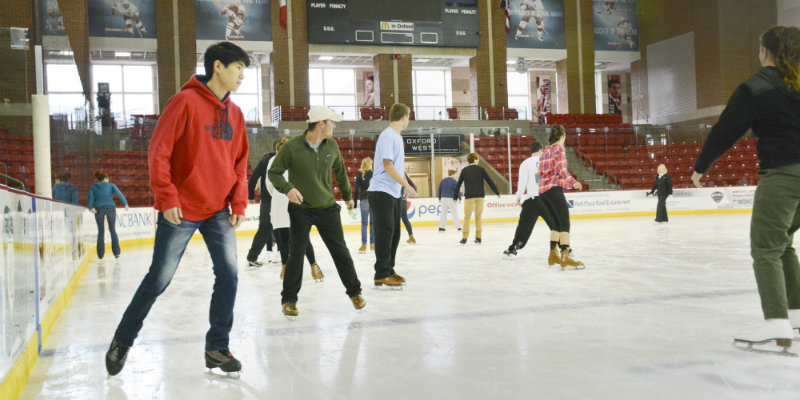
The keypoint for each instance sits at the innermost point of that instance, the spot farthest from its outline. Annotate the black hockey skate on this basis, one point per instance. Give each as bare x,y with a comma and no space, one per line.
225,361
115,357
511,252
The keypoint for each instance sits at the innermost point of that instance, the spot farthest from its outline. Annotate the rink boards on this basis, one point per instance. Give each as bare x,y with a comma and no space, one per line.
139,223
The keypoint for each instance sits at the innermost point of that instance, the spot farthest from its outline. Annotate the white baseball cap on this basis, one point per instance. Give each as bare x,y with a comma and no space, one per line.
321,113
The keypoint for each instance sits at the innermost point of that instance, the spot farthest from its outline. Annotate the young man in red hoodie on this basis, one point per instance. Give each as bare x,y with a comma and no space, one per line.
198,162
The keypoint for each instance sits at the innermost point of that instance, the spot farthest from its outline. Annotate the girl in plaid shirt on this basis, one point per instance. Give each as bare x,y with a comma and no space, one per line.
553,178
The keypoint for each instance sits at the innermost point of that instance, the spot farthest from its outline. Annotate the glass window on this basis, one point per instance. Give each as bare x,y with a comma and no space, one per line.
65,103
315,81
335,88
340,81
112,74
63,78
138,78
429,82
138,104
432,93
517,84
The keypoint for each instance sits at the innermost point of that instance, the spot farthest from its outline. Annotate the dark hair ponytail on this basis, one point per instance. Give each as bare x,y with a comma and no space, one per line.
783,43
556,133
100,176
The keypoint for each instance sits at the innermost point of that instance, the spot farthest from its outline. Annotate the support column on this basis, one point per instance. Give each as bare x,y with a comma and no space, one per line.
488,68
578,19
393,82
289,59
177,47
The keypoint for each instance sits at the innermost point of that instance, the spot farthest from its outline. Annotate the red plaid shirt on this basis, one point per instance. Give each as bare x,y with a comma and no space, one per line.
553,169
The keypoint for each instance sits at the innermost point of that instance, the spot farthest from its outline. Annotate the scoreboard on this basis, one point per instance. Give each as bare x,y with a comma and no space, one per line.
437,23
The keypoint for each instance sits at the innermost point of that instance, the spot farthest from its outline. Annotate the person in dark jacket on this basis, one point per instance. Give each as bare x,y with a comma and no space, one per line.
263,235
65,191
473,176
360,192
769,104
662,187
446,191
404,211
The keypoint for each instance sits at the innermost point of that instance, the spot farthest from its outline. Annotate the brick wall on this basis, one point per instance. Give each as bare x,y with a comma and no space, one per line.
168,82
279,59
582,67
726,45
18,80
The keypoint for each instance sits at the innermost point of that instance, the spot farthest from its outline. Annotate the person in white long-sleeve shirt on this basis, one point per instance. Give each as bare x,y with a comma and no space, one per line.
532,207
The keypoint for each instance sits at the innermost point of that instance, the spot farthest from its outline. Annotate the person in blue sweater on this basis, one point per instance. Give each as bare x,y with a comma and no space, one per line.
447,191
65,191
101,204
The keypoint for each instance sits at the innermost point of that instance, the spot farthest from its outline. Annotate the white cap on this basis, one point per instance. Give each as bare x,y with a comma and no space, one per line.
321,113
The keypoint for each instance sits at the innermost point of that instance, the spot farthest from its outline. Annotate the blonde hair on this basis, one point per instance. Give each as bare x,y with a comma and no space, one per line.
472,157
398,111
783,42
366,165
281,142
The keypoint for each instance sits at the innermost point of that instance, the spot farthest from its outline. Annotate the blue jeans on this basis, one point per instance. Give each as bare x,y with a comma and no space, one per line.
109,213
170,244
366,218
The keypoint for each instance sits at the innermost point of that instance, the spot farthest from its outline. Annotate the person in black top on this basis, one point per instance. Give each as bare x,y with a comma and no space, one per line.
404,211
769,104
360,191
473,176
264,233
662,187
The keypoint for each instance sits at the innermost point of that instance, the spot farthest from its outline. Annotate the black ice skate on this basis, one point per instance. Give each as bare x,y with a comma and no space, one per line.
115,357
463,241
225,361
511,252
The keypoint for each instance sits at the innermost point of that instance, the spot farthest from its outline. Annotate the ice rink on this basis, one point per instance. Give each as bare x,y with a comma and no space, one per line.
651,317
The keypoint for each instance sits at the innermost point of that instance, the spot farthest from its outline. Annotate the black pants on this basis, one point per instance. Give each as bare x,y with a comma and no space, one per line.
404,216
532,209
329,224
556,204
263,233
661,209
283,240
386,212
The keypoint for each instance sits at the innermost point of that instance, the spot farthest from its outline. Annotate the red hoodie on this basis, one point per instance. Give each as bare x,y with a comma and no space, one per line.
198,154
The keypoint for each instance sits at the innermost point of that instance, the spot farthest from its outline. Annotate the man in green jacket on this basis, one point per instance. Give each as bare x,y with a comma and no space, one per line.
309,159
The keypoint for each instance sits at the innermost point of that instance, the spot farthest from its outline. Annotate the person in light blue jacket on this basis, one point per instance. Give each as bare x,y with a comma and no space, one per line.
101,204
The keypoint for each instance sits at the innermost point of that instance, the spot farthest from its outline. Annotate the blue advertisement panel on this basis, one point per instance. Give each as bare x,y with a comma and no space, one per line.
615,25
535,24
122,18
233,20
51,20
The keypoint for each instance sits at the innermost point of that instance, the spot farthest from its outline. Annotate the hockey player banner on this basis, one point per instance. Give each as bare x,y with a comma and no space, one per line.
615,25
233,20
543,95
536,24
122,18
614,94
52,22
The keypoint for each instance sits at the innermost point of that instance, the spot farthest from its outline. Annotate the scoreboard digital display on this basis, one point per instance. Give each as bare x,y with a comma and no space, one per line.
437,23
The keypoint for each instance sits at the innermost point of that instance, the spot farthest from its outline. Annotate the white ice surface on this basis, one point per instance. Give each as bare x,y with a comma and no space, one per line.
651,317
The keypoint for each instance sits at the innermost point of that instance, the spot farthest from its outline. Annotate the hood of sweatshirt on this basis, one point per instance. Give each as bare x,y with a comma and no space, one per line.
774,77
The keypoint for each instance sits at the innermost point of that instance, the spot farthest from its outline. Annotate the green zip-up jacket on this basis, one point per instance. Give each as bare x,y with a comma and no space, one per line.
310,172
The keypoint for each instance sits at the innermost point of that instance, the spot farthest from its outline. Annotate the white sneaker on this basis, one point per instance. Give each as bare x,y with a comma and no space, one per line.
794,318
275,256
771,329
